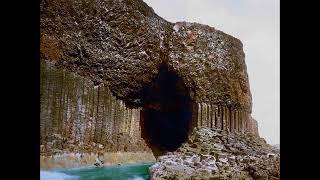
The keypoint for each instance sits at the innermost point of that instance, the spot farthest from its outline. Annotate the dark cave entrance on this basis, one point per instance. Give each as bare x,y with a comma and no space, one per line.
166,114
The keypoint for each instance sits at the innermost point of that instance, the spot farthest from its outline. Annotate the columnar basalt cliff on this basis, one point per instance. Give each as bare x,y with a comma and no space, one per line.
117,77
74,111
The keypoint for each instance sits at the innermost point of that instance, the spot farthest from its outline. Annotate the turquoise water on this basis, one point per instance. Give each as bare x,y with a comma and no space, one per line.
123,172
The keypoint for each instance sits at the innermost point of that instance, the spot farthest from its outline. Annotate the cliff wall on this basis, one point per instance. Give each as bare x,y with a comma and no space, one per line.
104,69
77,116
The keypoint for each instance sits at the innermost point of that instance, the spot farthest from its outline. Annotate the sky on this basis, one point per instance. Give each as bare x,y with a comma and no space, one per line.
257,24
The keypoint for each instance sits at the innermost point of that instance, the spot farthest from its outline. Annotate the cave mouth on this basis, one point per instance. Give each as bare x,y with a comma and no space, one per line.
166,113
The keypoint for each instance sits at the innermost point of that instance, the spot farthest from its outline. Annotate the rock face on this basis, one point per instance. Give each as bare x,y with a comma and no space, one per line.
123,42
213,154
116,74
77,116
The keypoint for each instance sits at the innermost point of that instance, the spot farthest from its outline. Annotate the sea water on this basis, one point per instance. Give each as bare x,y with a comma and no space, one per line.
121,172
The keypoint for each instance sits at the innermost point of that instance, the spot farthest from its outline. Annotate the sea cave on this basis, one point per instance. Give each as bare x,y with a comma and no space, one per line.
166,114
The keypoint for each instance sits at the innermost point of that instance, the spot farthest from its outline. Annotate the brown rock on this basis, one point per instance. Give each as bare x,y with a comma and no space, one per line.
123,43
115,50
252,164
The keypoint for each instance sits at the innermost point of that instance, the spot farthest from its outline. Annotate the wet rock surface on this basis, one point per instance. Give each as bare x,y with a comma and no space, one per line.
214,154
92,159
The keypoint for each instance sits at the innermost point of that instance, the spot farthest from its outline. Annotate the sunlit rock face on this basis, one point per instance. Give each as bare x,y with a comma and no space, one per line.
116,74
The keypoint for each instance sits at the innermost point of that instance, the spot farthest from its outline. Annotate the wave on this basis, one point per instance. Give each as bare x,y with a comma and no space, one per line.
49,175
137,178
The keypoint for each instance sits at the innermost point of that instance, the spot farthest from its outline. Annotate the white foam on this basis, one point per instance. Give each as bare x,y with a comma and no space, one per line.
48,175
137,178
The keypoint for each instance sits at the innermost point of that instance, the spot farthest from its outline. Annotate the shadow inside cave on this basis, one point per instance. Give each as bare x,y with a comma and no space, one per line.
166,114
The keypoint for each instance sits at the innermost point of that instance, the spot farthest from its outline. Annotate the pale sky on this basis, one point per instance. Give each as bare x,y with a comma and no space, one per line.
257,24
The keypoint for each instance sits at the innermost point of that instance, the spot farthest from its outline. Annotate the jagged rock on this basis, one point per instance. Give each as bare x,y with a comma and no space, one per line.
97,164
257,160
271,155
221,155
232,160
218,146
100,146
223,160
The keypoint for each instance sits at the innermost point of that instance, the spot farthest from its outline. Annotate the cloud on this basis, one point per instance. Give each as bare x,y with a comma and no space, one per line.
256,23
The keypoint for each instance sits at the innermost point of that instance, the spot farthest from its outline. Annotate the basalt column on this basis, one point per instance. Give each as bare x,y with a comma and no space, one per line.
77,116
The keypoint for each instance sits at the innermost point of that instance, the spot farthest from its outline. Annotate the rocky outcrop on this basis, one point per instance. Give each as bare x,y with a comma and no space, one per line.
123,43
115,76
213,154
119,43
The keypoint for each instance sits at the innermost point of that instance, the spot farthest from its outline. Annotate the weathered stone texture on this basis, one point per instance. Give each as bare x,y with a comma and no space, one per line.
78,116
122,43
114,49
211,153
